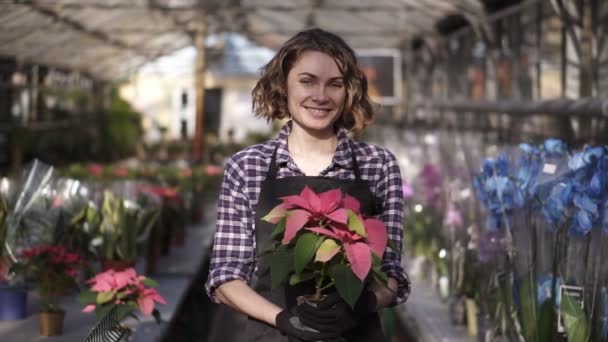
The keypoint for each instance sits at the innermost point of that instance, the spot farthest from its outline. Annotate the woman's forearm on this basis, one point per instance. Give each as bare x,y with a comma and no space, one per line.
238,295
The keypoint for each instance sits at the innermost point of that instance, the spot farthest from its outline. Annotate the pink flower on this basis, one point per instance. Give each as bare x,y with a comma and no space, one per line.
308,207
121,172
123,288
358,248
408,191
89,308
57,202
213,170
147,299
95,170
453,219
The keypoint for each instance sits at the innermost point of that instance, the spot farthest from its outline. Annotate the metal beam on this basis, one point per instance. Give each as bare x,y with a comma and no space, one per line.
246,8
79,27
584,107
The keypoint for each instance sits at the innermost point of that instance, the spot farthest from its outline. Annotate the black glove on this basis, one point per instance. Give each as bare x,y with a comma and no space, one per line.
334,314
291,325
366,304
331,314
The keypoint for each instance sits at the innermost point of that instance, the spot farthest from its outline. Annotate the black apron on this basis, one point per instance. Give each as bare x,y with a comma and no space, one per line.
271,190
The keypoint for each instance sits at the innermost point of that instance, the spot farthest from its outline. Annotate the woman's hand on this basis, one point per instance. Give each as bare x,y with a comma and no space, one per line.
332,314
291,324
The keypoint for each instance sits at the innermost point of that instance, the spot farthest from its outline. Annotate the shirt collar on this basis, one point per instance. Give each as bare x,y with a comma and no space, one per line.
342,155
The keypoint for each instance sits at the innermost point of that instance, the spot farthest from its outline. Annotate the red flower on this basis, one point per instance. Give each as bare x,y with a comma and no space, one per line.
95,170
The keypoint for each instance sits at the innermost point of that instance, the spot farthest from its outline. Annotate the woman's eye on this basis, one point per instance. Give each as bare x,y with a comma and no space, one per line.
305,82
337,85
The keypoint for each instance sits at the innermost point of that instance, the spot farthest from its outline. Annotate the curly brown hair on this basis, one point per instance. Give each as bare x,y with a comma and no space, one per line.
270,95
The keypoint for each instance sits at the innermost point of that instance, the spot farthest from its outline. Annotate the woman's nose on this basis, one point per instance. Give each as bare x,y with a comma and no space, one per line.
320,94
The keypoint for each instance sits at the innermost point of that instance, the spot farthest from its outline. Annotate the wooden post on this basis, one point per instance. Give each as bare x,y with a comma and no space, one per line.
201,65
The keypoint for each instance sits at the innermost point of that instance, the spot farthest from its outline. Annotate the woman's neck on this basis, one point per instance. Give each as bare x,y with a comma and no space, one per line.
302,142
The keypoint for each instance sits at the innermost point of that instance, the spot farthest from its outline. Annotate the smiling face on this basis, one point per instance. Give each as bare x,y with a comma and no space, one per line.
315,93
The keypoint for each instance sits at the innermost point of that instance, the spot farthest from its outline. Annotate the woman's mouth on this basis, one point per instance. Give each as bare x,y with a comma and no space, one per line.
318,112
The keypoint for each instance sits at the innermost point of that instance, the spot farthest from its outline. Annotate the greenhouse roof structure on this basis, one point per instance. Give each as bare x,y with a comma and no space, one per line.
111,38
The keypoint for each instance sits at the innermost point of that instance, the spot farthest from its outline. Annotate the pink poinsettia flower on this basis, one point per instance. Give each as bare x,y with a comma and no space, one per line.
95,170
147,299
308,207
89,308
358,248
213,170
124,278
121,172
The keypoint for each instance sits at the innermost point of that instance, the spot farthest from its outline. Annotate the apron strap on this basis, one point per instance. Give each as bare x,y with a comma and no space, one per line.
355,164
272,169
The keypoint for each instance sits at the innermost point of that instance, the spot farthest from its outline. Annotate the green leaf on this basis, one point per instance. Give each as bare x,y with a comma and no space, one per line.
297,278
574,318
377,269
327,250
281,264
149,282
355,224
527,296
104,297
87,297
279,229
306,246
123,311
547,321
102,310
348,285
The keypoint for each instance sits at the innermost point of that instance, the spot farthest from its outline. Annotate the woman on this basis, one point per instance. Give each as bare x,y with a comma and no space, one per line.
314,80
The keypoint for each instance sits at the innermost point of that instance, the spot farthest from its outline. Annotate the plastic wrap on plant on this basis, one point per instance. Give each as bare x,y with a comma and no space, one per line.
32,220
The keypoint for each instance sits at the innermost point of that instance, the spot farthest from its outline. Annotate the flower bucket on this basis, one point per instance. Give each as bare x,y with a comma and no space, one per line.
51,323
13,302
117,265
471,307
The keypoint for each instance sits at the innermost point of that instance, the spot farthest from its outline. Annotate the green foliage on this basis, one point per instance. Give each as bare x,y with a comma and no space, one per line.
527,297
575,319
306,247
124,229
348,285
124,128
547,321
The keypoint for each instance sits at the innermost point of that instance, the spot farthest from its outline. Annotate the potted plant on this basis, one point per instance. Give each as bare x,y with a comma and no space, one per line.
13,295
53,270
325,238
125,289
124,229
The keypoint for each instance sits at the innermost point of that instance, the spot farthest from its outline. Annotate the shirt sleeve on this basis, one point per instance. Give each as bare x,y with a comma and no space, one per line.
390,189
233,255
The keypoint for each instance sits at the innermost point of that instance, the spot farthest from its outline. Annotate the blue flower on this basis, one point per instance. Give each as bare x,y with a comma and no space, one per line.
530,164
555,147
592,154
605,216
554,207
576,162
545,289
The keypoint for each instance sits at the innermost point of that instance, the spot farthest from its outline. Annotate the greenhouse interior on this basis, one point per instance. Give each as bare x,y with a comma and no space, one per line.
128,129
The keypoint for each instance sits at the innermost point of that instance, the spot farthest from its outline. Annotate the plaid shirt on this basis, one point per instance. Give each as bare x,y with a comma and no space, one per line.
233,254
